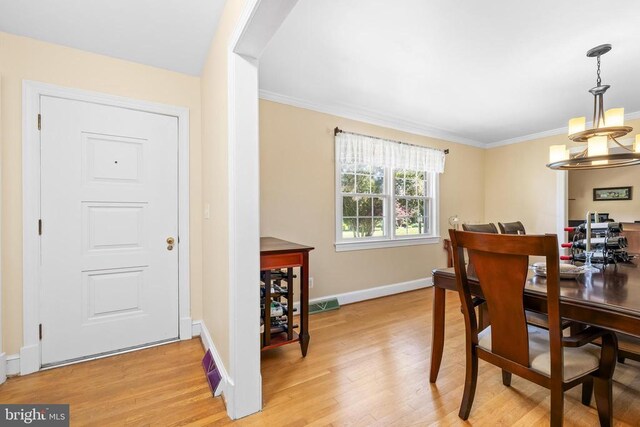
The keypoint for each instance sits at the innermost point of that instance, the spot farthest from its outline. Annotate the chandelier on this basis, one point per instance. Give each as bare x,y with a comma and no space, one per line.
607,127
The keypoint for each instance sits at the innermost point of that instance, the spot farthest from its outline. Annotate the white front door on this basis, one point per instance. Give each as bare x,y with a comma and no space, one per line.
109,209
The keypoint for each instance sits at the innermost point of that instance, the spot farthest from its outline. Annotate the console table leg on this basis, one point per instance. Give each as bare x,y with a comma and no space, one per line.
437,335
304,304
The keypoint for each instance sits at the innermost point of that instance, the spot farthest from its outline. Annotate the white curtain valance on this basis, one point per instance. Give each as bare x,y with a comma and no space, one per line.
354,148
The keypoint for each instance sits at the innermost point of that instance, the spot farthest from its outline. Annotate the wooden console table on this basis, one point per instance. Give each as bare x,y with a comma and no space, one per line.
278,254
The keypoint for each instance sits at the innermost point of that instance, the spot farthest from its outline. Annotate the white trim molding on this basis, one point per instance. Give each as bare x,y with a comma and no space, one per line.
13,365
346,246
3,356
31,93
258,23
377,292
367,116
200,329
3,367
551,132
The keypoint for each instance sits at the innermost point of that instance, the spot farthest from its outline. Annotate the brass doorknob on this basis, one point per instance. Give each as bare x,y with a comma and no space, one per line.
170,240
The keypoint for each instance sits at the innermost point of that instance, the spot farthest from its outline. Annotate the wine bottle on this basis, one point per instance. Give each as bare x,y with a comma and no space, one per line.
611,227
616,242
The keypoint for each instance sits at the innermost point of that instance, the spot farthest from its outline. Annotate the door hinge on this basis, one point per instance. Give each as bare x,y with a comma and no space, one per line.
40,331
39,122
39,227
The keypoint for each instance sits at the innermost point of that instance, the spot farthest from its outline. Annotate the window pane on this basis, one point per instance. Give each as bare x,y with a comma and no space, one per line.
420,188
410,187
364,206
377,183
365,227
416,219
401,227
363,184
347,167
401,215
378,227
378,206
348,228
362,168
348,183
349,206
413,207
398,185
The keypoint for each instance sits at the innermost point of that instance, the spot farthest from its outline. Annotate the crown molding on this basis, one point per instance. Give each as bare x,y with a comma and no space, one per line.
529,137
366,116
552,132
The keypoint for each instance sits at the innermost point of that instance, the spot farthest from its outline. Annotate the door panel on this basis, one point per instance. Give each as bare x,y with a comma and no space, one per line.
108,204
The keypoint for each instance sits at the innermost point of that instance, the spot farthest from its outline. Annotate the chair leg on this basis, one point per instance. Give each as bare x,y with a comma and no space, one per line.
621,359
587,391
557,405
470,381
602,379
604,399
506,378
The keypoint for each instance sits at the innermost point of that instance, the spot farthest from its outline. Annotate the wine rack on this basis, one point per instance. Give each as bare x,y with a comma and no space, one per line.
278,258
277,325
607,245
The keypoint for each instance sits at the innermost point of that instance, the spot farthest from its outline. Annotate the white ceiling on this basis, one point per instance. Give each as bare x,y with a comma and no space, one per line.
479,72
170,34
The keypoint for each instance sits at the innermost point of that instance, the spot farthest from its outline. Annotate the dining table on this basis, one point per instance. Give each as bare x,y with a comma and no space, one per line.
609,299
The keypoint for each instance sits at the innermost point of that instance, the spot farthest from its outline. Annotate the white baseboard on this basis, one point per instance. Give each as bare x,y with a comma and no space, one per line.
377,292
29,359
3,367
186,328
201,329
13,365
196,328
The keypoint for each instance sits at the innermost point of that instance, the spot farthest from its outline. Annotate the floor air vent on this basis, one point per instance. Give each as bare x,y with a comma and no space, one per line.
326,305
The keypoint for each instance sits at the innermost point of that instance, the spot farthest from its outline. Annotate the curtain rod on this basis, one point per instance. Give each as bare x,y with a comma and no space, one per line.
337,130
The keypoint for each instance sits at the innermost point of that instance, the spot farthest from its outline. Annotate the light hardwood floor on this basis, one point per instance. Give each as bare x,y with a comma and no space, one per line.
367,365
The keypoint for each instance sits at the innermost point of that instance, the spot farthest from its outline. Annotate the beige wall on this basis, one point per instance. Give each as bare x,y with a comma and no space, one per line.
582,183
519,187
297,186
215,182
27,59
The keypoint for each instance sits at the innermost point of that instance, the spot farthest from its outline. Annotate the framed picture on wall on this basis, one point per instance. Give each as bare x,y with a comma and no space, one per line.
612,193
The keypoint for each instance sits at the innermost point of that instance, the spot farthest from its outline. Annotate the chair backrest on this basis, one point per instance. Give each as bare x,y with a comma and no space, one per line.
511,228
501,264
481,228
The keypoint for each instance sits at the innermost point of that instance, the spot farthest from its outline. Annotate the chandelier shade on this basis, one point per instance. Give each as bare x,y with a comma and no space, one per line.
607,127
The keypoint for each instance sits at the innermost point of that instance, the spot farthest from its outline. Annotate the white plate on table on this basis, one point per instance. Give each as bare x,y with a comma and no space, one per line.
567,271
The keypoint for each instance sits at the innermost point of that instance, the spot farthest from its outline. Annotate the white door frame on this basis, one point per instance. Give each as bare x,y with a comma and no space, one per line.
31,93
259,22
562,205
3,356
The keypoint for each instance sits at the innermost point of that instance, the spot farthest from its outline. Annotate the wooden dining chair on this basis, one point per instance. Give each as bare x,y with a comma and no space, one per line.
537,319
511,228
539,355
481,228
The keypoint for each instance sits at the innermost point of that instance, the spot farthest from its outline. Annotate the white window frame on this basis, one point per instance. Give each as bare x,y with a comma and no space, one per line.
390,239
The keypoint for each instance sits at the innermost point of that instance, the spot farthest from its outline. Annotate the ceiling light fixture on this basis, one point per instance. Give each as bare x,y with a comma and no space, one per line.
606,126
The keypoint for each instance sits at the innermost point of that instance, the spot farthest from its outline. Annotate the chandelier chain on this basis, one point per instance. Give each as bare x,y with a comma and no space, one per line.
599,80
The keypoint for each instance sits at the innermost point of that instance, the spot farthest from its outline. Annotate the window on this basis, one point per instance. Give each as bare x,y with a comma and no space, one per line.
379,204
